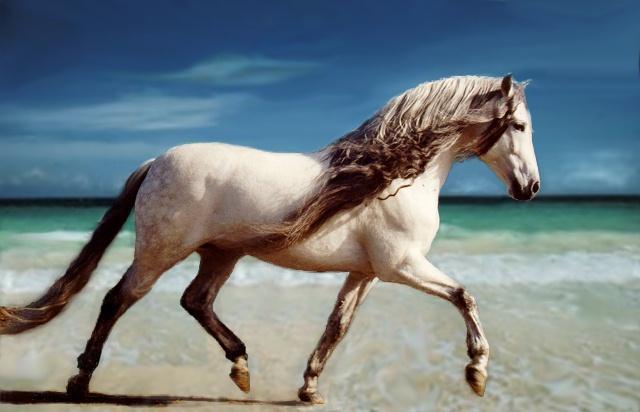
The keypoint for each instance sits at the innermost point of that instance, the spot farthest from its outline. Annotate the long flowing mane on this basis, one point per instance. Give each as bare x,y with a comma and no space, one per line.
399,141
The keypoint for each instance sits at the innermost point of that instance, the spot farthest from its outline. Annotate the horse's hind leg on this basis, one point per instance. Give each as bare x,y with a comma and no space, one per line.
215,268
355,289
133,286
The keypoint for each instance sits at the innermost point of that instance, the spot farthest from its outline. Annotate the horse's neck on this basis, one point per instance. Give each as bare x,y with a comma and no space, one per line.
434,176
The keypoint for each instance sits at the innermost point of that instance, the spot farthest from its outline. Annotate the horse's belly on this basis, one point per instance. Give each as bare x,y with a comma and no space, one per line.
301,258
331,250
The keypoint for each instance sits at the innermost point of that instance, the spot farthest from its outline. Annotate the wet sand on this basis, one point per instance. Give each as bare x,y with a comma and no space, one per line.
554,347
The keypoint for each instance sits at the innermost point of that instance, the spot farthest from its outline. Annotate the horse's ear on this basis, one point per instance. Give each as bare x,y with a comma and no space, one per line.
507,86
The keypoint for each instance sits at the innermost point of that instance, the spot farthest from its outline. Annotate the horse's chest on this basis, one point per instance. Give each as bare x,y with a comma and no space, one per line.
414,217
424,226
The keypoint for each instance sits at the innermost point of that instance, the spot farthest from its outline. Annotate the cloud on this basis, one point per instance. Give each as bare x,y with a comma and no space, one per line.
236,70
61,168
135,113
21,149
36,177
601,171
472,178
472,185
55,166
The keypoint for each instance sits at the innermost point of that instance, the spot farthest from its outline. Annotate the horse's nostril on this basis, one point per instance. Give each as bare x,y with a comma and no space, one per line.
535,187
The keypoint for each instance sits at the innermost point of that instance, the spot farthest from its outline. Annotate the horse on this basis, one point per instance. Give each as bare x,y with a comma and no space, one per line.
366,204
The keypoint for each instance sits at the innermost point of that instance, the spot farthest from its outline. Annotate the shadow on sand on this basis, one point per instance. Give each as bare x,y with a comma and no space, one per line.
28,397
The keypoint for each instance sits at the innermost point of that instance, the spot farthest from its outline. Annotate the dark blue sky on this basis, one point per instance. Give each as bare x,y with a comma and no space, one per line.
88,90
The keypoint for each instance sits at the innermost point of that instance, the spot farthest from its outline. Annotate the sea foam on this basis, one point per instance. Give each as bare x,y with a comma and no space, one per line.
493,269
30,262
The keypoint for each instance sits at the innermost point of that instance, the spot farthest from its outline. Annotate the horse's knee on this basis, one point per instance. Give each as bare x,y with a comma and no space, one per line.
463,300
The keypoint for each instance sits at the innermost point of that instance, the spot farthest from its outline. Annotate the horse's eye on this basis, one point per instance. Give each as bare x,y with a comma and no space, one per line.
519,127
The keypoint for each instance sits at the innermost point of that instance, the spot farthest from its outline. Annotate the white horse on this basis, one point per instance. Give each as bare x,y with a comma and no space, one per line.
367,204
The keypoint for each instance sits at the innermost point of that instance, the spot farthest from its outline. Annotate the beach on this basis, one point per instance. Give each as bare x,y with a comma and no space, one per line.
557,285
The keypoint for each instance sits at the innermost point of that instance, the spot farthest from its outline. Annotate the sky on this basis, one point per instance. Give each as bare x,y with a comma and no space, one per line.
90,89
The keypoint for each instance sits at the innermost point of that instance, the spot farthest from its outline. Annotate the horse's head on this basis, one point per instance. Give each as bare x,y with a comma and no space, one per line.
512,157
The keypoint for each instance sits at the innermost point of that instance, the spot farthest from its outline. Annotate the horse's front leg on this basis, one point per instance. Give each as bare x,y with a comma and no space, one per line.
355,289
416,271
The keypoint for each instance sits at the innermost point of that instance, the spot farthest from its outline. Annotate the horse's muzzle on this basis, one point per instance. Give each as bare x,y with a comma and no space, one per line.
518,192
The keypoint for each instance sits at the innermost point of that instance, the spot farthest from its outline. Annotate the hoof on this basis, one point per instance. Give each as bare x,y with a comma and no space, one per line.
310,397
78,386
477,378
240,376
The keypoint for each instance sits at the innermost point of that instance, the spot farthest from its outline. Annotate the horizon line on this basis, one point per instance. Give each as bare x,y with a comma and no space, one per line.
451,198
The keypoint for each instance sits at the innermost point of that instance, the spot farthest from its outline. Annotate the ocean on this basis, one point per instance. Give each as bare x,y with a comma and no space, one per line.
557,283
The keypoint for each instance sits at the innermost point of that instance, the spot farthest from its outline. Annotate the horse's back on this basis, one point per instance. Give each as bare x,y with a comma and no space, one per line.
196,191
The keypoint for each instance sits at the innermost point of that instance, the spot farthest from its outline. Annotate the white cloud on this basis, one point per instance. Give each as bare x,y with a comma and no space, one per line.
471,185
239,71
22,149
472,178
128,113
31,165
37,176
601,171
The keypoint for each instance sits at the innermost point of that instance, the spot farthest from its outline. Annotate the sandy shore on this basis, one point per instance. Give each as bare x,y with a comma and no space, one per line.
566,346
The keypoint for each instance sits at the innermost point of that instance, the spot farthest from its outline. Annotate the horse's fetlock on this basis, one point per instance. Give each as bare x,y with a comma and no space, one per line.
310,374
477,350
236,351
87,363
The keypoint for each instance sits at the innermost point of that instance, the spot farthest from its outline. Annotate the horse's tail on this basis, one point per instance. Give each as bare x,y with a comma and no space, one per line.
15,320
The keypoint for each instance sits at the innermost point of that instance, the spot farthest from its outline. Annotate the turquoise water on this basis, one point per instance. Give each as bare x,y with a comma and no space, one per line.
541,216
536,241
45,219
577,225
537,216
